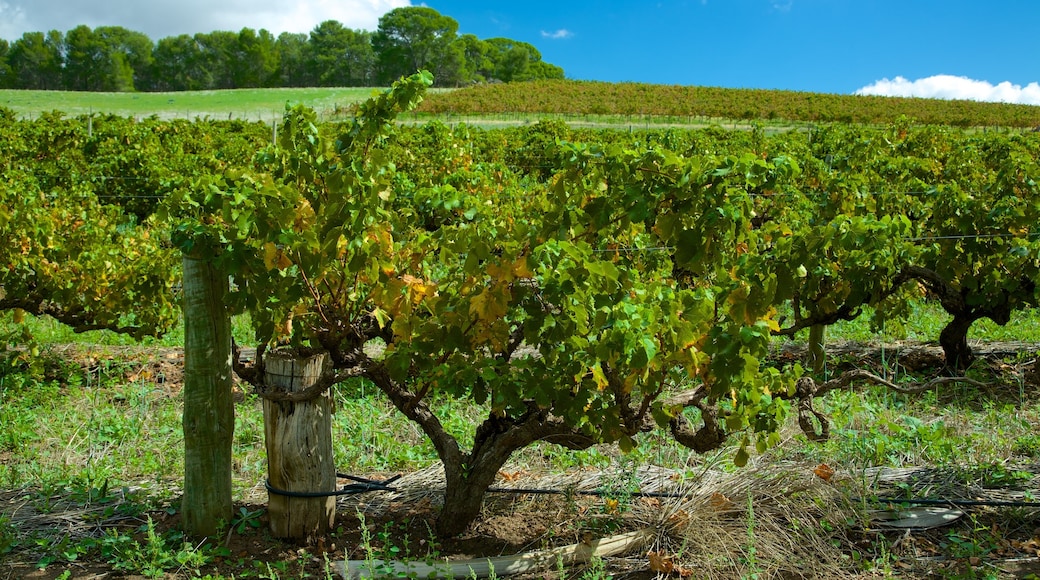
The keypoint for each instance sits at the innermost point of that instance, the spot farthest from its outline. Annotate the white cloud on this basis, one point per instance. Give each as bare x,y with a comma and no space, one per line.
955,87
161,18
558,35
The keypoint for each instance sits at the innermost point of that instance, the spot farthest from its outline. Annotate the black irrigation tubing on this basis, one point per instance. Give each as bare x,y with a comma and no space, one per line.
362,485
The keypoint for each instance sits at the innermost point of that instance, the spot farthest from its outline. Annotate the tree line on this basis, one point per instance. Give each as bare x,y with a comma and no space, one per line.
115,59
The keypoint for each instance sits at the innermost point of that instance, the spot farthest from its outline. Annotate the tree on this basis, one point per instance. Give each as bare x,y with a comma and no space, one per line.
339,56
217,56
178,65
544,70
110,58
83,59
513,305
6,72
512,60
36,60
476,65
292,57
255,63
127,52
415,38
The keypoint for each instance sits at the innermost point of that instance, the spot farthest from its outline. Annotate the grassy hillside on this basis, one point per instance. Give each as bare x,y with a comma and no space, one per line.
248,104
510,103
679,103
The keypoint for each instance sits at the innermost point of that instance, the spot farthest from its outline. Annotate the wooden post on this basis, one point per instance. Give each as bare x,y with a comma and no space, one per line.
817,354
299,448
209,410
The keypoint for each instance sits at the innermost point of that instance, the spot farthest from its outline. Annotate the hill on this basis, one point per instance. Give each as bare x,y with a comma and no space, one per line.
681,103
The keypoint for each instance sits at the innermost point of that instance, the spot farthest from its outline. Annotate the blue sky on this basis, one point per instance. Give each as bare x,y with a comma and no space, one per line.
982,49
832,46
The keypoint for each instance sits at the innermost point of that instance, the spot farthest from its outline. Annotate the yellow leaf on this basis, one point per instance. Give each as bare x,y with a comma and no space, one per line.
488,305
521,269
418,289
304,216
599,377
770,320
381,316
274,257
499,272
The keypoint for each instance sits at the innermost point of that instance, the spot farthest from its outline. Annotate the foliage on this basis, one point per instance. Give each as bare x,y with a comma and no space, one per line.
325,254
85,264
153,557
114,59
569,283
680,104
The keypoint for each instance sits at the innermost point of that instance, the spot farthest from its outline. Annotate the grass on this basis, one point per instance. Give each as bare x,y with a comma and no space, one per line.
247,104
927,320
329,102
88,420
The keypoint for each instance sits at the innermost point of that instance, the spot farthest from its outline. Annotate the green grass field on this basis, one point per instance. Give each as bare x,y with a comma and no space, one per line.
94,431
247,104
269,104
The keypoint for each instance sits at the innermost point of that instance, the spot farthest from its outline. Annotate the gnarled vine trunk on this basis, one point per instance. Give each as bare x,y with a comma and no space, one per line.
954,341
954,336
468,475
467,478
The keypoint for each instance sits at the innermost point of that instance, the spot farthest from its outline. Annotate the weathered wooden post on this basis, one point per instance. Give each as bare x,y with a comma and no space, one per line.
298,434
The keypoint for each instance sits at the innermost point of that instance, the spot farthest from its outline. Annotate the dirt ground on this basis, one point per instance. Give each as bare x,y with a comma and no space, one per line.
405,532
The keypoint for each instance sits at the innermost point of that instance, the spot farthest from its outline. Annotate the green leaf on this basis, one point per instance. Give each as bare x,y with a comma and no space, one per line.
604,269
742,457
626,444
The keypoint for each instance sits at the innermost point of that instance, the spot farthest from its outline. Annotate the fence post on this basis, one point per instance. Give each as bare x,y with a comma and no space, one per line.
209,410
298,436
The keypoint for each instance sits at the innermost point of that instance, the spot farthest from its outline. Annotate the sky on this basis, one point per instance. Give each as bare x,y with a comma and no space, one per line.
968,49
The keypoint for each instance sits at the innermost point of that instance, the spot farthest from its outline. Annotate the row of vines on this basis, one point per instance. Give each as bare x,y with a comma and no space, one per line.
676,102
584,286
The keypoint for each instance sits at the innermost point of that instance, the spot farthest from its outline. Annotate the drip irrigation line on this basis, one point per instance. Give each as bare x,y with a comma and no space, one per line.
361,485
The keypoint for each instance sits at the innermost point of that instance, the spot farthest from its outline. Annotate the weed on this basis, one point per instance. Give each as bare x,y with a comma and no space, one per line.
620,486
751,550
8,536
596,569
157,555
246,520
